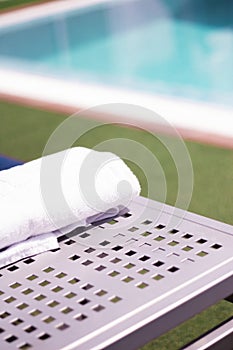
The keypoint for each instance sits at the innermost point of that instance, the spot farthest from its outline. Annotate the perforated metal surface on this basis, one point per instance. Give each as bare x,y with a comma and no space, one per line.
107,281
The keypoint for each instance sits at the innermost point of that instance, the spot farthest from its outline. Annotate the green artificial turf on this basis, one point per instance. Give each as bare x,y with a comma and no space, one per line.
10,4
24,132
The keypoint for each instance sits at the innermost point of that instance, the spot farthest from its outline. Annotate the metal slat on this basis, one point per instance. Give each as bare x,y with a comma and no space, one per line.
219,338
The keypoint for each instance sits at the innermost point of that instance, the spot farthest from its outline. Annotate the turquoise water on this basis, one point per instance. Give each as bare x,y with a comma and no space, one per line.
181,48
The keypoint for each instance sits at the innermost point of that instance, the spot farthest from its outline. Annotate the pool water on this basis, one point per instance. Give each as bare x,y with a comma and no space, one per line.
181,48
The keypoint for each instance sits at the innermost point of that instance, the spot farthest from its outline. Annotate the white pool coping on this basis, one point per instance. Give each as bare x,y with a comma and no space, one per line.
190,115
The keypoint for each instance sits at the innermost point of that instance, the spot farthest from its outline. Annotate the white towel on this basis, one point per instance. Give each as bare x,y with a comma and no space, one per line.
59,190
29,247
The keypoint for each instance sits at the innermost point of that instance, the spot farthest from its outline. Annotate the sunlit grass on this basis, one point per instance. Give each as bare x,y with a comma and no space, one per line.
10,4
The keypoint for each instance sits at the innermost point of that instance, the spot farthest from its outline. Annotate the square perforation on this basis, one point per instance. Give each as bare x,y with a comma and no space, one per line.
104,243
53,303
74,257
144,258
115,260
147,222
187,248
143,271
9,300
57,289
32,277
129,266
70,295
4,314
187,236
127,279
173,231
117,248
98,308
202,253
80,317
87,286
87,262
173,243
130,253
61,275
35,312
15,285
115,299
133,229
187,260
158,263
30,329
119,235
100,268
17,322
112,222
67,310
62,326
84,235
145,244
73,280
126,215
11,339
158,277
114,273
44,336
69,242
22,306
25,346
89,250
216,246
102,255
201,241
142,285
159,238
48,319
44,283
173,269
101,292
160,227
172,255
27,291
146,233
13,268
84,301
28,261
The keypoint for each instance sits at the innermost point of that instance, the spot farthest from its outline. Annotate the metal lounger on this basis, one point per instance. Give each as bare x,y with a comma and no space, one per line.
117,285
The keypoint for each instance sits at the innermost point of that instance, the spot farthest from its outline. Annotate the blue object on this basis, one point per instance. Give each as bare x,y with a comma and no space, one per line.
6,163
179,48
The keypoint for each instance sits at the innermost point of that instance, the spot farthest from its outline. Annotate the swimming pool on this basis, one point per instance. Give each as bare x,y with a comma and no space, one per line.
176,48
181,49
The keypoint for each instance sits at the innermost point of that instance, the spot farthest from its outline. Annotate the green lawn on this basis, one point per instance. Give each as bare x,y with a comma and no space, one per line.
10,4
23,135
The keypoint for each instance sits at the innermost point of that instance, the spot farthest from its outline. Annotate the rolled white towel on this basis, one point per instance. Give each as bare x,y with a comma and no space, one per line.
62,189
